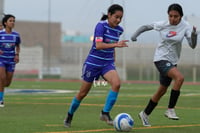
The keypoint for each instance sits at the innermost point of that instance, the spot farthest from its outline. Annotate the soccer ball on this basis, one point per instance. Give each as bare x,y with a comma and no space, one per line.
123,122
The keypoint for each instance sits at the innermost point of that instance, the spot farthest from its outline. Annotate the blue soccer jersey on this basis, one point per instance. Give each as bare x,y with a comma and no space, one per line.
8,42
105,33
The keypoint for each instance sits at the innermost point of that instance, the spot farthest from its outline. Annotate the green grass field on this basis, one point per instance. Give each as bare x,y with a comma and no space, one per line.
44,113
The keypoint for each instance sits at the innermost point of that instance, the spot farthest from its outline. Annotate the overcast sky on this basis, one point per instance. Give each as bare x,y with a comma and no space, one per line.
82,15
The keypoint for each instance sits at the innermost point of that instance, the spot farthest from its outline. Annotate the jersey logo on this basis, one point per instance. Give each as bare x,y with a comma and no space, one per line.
107,31
2,37
171,34
168,64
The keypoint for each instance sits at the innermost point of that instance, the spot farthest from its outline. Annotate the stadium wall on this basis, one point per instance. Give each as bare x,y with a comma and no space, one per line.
133,63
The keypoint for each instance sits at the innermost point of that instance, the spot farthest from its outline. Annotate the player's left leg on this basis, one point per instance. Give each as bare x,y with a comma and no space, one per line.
175,92
9,77
112,78
84,89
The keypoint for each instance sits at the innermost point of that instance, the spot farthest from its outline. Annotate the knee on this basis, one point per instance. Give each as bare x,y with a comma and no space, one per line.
6,84
116,86
180,79
163,92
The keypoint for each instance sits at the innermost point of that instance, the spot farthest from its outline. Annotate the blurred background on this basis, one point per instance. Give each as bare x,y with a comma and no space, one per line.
57,36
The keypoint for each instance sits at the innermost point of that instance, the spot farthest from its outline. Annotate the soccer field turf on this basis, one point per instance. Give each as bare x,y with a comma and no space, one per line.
32,112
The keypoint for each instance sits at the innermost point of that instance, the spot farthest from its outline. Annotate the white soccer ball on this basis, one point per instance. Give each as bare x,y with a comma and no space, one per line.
123,122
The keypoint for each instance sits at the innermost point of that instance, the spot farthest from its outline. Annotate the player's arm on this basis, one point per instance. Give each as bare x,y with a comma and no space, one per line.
17,51
141,30
102,45
192,40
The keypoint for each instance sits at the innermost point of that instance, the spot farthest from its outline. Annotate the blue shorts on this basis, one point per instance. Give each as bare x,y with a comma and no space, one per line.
10,67
91,72
163,67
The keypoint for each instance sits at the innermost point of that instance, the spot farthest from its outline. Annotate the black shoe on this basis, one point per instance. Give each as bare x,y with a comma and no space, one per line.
1,104
105,116
68,120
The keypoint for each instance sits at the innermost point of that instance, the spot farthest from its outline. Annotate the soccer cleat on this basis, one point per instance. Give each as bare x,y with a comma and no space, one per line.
1,104
68,120
105,116
171,114
145,120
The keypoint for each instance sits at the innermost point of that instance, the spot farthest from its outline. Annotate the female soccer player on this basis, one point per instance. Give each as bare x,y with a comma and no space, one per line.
9,53
100,62
166,57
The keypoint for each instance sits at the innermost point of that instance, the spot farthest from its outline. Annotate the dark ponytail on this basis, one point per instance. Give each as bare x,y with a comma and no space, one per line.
104,17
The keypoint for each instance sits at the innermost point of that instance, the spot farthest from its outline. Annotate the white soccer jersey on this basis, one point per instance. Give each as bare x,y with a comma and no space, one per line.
171,37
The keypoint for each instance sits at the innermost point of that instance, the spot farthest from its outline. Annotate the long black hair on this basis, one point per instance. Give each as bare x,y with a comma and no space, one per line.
112,9
5,18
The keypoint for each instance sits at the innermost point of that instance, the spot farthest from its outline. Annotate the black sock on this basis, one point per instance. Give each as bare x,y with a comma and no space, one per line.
149,108
173,98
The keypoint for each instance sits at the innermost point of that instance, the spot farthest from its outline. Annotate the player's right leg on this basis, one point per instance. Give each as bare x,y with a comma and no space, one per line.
85,88
112,77
143,115
89,74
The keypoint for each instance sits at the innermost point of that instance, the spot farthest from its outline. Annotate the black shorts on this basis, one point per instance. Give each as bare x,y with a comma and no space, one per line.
163,67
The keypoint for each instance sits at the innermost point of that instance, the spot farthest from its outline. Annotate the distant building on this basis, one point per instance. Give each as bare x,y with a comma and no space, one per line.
75,39
1,9
44,34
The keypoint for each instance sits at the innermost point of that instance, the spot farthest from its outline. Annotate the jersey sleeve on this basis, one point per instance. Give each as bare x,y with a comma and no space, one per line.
158,25
188,31
18,39
99,32
191,36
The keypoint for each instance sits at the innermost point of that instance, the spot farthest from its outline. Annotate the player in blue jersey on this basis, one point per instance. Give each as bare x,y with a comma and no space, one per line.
167,54
9,53
100,62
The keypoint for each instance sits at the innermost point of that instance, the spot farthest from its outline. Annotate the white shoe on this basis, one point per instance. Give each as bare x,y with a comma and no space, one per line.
145,120
1,104
171,114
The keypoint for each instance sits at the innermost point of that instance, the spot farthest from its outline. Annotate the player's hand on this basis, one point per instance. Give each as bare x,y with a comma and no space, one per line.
16,59
122,43
194,30
133,38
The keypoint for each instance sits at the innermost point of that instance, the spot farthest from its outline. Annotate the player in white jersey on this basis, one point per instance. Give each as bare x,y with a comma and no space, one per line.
167,54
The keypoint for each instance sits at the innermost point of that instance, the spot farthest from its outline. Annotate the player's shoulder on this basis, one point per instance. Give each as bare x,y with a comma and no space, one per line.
102,23
162,22
105,24
184,22
14,32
